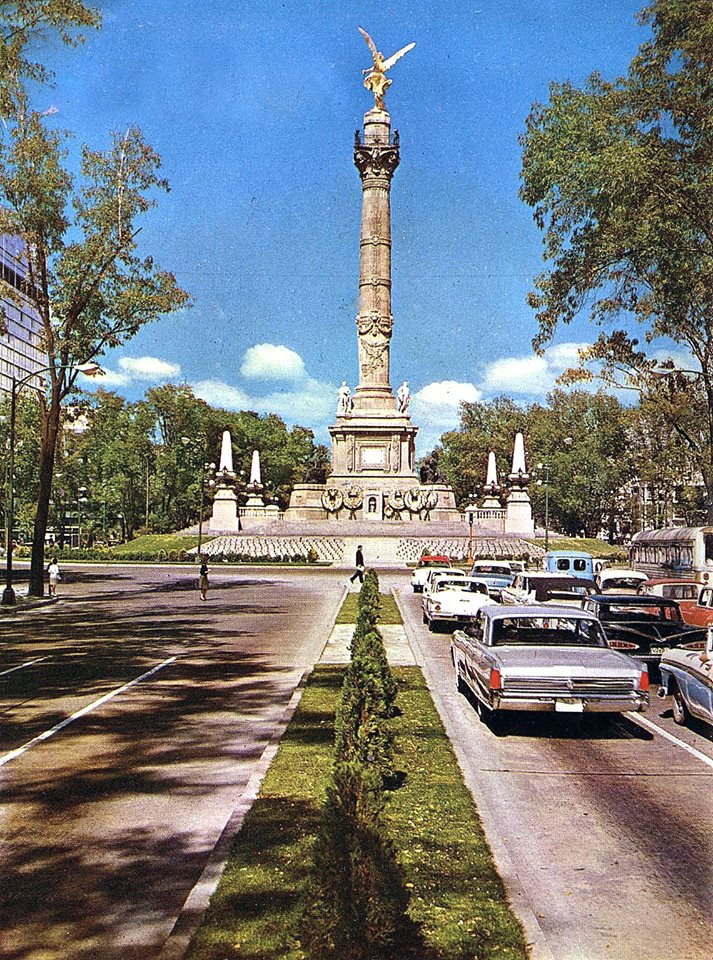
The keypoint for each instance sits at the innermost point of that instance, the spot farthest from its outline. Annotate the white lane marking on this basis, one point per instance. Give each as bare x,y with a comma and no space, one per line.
28,663
644,722
80,713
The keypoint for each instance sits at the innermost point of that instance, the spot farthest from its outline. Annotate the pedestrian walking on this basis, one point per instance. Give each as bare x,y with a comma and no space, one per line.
203,578
359,562
54,576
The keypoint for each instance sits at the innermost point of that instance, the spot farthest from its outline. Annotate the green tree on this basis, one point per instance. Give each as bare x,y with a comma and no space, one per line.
584,439
90,288
484,426
620,177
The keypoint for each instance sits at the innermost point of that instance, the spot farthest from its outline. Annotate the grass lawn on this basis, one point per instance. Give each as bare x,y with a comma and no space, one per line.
389,613
457,899
597,548
155,542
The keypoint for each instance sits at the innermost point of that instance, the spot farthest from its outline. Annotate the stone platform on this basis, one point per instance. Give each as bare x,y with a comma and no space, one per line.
384,544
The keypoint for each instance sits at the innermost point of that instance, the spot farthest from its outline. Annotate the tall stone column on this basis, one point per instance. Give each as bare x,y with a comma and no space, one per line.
376,158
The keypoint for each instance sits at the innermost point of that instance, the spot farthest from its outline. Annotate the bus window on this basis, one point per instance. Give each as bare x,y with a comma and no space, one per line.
708,542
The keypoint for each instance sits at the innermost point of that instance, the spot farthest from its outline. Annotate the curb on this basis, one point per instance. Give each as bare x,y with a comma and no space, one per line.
196,903
519,901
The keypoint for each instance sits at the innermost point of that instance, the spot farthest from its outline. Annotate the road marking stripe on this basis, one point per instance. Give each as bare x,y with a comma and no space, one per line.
28,663
644,722
80,713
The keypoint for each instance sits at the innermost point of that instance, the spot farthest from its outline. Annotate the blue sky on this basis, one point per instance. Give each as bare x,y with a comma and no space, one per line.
253,106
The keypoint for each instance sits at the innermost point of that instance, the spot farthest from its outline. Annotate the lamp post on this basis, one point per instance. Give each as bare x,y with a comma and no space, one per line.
469,510
208,468
90,370
80,500
546,483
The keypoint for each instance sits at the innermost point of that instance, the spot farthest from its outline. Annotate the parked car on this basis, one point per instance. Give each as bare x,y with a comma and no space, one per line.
699,612
644,627
435,575
687,676
576,562
453,601
620,580
682,591
517,566
525,658
424,567
496,573
541,587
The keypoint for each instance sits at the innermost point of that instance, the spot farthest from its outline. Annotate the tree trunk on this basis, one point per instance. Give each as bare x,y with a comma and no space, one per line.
48,446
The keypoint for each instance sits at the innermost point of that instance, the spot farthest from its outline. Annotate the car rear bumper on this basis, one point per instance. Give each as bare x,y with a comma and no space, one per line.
636,703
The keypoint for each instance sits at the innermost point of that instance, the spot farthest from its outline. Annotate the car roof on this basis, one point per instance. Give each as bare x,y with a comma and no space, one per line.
634,599
621,572
672,580
549,575
538,610
580,554
435,557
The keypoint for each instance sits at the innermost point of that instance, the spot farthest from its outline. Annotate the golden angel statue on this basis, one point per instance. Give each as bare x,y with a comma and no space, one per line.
376,79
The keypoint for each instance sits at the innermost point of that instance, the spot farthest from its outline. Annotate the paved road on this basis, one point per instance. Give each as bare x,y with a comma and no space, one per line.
107,824
602,827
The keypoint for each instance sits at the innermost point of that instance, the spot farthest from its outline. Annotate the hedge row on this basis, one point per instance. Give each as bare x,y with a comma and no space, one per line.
107,555
357,897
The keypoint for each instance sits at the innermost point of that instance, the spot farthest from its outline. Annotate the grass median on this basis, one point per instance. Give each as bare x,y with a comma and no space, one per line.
388,611
457,899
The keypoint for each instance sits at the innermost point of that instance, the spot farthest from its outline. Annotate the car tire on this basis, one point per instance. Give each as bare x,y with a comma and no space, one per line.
431,626
679,709
424,617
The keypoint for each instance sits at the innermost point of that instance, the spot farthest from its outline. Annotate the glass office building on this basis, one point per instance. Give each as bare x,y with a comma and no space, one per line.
20,351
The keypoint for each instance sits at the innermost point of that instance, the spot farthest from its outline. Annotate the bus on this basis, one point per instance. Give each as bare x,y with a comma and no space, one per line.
677,553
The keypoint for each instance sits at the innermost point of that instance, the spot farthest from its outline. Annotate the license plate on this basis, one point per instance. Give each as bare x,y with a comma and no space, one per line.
658,649
569,706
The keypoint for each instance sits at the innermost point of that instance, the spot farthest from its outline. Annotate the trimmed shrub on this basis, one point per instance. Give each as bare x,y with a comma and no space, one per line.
361,732
371,653
357,899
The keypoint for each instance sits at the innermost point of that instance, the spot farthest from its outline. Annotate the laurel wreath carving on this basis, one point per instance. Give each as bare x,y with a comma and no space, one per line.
332,500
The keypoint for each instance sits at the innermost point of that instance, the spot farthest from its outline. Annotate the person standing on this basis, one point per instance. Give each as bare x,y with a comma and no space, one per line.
359,562
54,576
203,578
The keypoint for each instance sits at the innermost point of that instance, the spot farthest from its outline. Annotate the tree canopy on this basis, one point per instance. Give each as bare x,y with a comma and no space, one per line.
620,178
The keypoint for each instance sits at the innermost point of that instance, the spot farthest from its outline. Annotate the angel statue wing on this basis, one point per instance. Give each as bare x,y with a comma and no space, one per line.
387,64
372,46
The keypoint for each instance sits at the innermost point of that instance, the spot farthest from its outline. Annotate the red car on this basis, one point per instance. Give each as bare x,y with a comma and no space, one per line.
685,593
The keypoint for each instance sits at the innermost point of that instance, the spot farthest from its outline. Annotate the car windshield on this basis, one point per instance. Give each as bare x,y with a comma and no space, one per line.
641,614
621,583
492,568
547,631
433,563
449,585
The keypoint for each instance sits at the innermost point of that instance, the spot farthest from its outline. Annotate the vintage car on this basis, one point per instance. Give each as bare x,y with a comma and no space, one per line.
496,573
699,612
435,575
454,600
543,587
687,676
424,567
644,627
576,562
555,659
620,580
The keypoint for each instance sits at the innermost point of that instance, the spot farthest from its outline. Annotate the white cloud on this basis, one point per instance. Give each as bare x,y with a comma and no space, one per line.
108,378
311,403
531,374
269,361
435,409
221,394
149,368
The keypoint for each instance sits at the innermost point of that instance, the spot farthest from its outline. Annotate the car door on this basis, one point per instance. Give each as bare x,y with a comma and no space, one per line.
699,689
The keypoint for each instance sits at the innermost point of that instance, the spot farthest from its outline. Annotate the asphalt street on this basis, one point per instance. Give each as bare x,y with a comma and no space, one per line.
133,715
602,828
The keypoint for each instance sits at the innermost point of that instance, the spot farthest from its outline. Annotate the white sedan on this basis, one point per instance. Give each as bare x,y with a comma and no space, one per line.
454,600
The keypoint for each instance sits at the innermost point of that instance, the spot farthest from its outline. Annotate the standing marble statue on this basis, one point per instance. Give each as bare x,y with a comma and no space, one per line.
344,401
403,395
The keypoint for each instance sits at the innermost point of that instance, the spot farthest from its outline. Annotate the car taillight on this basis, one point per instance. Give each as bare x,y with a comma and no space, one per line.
644,681
622,645
436,607
694,645
496,681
